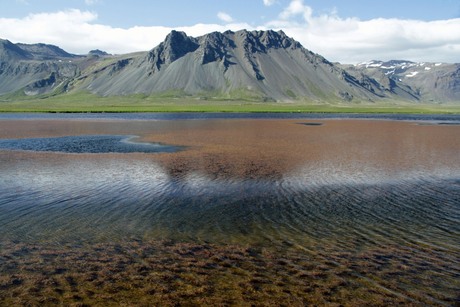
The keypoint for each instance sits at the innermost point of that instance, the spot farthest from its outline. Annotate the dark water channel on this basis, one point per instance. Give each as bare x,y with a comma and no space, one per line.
392,227
85,144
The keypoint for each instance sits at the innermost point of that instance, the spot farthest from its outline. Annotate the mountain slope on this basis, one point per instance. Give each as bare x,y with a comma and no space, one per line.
12,52
243,65
45,52
34,69
259,64
431,82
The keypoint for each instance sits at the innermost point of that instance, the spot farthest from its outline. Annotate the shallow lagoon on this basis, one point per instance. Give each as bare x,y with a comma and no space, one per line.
275,209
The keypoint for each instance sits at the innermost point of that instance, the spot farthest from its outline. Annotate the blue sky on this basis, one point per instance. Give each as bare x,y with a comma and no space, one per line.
173,13
341,30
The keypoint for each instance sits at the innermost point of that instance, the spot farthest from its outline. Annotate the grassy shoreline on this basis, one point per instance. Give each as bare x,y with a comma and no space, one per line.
236,109
89,103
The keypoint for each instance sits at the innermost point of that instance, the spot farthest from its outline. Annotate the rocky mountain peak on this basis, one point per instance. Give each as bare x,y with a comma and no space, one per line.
176,45
215,46
10,51
97,52
262,41
272,39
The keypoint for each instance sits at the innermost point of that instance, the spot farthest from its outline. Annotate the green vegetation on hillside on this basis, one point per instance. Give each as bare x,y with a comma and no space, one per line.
177,102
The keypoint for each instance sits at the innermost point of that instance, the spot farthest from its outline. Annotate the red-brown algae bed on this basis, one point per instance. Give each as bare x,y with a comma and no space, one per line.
259,148
170,273
252,212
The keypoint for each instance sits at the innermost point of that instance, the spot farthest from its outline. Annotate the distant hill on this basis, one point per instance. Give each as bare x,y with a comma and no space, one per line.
247,65
429,82
45,52
34,69
98,52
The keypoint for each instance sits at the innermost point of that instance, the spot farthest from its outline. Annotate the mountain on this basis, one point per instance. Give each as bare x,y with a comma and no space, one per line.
433,82
12,52
46,52
34,69
98,52
263,65
247,65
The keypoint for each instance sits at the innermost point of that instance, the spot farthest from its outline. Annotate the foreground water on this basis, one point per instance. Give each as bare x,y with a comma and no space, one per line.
298,210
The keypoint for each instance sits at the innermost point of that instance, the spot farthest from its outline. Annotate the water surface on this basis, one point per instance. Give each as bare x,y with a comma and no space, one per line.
85,144
363,211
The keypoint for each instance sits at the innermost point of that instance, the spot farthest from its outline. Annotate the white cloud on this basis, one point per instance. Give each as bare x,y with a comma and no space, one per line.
224,17
76,32
351,40
269,2
346,40
295,8
79,33
91,2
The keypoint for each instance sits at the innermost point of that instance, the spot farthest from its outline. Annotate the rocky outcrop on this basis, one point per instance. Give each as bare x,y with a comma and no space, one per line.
97,53
176,45
215,47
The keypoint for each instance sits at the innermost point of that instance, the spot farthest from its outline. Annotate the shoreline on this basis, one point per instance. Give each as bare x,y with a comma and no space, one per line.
363,111
145,116
132,105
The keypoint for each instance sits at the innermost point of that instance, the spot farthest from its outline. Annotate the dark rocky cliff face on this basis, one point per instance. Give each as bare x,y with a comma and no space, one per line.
262,41
176,45
215,47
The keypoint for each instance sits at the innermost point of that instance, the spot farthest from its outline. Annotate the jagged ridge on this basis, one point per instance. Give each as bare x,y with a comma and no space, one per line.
260,65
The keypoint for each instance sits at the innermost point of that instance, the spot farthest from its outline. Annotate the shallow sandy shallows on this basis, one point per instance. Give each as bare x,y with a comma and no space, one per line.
272,148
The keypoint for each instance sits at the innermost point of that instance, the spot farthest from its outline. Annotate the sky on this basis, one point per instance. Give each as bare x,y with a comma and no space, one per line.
346,31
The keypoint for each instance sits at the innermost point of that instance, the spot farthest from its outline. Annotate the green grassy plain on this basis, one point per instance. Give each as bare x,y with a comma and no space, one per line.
86,102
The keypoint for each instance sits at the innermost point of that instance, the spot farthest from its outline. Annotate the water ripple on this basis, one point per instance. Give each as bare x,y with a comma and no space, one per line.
85,144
